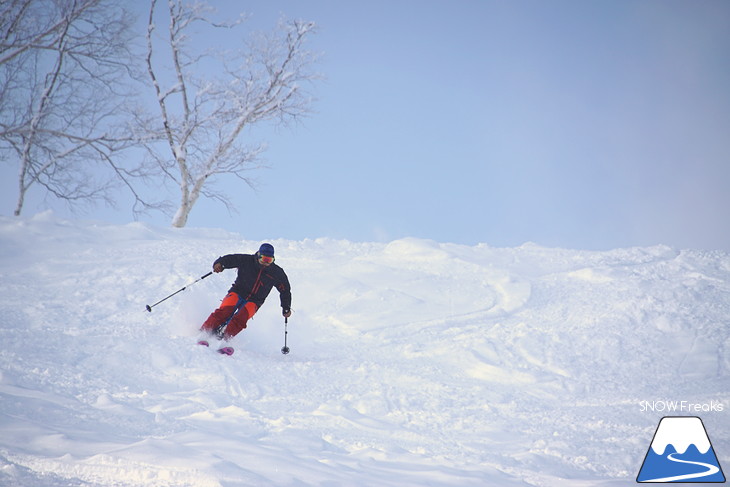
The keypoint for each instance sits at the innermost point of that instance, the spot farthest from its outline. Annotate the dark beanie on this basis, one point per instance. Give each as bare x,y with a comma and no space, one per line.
266,249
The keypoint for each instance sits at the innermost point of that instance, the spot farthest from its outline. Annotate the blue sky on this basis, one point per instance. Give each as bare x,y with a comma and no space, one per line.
590,125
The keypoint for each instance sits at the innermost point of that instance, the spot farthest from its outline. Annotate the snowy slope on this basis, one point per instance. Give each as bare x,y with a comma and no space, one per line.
412,363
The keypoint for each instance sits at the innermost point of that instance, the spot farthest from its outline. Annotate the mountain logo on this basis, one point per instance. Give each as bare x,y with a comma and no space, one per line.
681,452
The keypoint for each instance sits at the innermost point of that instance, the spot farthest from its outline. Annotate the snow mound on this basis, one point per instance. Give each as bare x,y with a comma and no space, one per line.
412,362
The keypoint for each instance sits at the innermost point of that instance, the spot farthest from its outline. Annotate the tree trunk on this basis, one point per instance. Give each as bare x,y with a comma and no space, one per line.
188,201
181,215
19,206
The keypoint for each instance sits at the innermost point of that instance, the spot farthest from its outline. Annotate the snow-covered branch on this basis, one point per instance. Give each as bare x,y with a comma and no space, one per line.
64,68
203,114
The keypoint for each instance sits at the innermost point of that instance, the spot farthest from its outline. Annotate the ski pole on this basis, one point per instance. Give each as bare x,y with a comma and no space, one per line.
285,349
149,308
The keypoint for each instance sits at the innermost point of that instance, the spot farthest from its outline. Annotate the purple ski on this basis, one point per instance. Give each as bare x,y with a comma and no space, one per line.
222,350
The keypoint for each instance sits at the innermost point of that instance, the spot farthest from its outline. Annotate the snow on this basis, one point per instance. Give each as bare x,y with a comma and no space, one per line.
412,363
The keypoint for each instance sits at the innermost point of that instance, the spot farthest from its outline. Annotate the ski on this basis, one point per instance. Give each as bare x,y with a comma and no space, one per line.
222,350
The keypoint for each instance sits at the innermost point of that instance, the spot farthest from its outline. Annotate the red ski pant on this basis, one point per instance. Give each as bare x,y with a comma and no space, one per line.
233,308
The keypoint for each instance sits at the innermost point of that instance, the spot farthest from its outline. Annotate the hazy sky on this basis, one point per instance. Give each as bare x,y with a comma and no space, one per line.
582,124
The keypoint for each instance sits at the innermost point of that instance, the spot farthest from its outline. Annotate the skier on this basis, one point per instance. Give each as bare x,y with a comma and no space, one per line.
257,274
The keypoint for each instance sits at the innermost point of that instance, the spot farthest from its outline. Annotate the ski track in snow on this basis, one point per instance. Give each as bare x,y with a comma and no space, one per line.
412,362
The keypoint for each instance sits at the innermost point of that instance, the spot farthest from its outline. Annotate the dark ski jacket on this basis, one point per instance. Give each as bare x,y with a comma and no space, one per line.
254,281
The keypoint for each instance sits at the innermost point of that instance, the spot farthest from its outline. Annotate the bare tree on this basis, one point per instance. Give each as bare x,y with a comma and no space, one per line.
62,67
203,113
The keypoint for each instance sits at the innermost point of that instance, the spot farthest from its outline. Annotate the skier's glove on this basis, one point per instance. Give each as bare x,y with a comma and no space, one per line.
286,312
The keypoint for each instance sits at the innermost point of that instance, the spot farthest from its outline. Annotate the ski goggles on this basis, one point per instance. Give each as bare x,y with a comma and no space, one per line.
266,259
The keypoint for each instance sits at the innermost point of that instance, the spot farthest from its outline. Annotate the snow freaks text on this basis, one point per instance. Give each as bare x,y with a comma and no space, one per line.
663,406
